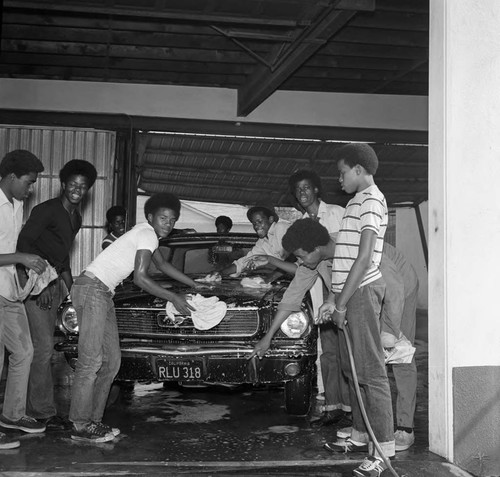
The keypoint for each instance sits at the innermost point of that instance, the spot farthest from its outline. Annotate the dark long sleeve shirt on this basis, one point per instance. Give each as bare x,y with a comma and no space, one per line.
50,232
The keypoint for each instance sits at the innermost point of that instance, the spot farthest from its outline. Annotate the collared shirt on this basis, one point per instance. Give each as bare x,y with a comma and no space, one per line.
11,218
367,210
270,245
329,216
49,233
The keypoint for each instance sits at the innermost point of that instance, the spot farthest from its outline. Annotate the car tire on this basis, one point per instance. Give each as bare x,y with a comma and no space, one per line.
298,395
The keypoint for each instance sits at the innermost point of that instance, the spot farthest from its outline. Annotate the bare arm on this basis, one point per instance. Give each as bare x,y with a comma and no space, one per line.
29,260
354,279
258,261
263,345
144,281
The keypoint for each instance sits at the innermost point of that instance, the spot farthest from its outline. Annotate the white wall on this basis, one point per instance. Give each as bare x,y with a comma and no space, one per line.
285,107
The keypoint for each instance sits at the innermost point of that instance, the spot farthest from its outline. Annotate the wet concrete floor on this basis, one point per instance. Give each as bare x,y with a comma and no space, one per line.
213,431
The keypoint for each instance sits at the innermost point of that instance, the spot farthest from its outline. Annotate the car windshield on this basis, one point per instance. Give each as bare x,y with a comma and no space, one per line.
203,258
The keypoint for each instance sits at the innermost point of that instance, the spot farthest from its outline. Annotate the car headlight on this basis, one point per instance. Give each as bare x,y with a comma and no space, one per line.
295,325
68,319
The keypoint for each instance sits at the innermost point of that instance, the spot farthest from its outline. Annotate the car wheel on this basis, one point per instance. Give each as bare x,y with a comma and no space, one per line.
298,395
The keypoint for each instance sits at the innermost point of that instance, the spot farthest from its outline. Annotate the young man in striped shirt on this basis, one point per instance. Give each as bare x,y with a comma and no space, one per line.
356,297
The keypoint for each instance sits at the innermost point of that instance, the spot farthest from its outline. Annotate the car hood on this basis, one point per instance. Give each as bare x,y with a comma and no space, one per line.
230,290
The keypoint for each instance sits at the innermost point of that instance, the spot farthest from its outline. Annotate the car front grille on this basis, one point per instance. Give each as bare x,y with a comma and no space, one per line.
153,323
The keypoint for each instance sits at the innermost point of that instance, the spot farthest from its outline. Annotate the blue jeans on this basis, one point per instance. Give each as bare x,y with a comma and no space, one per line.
363,318
41,404
99,353
337,395
15,337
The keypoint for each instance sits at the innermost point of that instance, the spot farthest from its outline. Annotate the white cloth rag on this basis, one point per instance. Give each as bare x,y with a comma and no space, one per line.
254,282
401,353
36,283
209,311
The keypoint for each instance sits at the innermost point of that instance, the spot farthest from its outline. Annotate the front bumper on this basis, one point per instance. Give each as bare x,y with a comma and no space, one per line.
226,364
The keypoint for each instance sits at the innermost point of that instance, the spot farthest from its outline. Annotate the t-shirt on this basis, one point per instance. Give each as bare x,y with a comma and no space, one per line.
11,218
367,210
108,240
117,261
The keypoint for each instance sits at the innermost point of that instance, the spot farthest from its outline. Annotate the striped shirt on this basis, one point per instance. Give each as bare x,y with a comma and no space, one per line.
367,210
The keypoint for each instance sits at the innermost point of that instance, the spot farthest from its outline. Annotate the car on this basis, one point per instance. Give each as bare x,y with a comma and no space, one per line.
157,347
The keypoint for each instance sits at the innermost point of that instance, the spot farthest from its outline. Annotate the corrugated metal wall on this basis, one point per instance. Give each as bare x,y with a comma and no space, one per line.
54,147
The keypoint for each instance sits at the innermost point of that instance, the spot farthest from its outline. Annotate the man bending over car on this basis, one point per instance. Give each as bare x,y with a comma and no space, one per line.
92,294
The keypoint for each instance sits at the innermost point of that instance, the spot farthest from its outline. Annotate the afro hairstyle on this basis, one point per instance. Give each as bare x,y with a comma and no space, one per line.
20,162
164,200
224,220
306,234
358,154
115,211
302,174
78,167
267,210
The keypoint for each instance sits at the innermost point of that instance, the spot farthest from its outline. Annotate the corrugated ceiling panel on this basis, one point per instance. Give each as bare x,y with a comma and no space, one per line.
55,147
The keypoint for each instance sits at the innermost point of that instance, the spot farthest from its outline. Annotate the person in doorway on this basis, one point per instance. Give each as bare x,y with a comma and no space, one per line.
49,232
98,345
270,231
223,224
356,298
116,217
224,253
19,171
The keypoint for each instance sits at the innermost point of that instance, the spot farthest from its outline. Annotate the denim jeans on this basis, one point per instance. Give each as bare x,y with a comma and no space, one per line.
15,337
337,394
405,375
99,353
40,404
363,317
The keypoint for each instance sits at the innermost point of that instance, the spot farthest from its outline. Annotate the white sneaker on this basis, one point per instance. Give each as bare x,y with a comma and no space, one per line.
404,440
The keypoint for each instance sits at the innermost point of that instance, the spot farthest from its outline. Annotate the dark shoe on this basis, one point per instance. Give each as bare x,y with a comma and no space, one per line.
114,430
329,418
56,423
25,424
7,442
347,446
370,467
91,433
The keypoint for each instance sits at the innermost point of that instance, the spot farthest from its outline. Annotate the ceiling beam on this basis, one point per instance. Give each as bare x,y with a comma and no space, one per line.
261,84
126,122
149,13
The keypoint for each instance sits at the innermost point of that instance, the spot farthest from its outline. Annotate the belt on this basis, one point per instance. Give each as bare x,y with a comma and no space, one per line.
93,277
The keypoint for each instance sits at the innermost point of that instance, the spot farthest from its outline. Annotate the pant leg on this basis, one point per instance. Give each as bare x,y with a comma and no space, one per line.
41,404
111,359
363,315
336,384
15,336
405,375
316,293
92,301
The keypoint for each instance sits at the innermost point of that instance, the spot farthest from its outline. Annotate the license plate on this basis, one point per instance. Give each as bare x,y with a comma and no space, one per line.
182,370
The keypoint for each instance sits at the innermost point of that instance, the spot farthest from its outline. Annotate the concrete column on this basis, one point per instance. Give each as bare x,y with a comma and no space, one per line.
464,233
